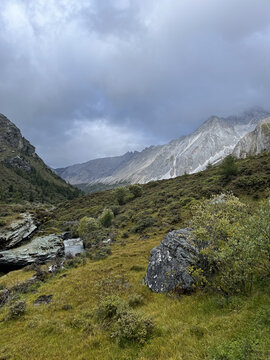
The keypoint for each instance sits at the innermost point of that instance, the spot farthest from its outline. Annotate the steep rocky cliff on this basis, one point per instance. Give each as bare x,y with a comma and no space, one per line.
256,141
23,175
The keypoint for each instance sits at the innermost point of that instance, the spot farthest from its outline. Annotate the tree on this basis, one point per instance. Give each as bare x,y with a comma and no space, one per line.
229,167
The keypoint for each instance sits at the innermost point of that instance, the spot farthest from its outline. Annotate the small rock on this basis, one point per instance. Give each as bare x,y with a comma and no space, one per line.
43,299
106,242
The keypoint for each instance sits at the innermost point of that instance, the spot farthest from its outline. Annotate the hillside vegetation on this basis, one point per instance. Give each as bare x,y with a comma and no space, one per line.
100,308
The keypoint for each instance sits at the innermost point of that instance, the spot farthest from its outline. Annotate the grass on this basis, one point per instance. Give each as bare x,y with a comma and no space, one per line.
189,327
195,327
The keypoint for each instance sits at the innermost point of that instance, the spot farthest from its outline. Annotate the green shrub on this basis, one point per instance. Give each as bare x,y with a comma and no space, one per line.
122,195
106,218
110,308
232,350
86,225
143,223
235,246
136,190
132,327
16,310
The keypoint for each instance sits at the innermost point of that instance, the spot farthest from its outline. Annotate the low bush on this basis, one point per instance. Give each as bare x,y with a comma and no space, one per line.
235,245
132,327
110,308
16,310
136,190
122,195
143,223
106,218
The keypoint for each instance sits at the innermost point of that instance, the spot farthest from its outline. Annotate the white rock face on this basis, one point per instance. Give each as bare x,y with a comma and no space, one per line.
256,141
213,141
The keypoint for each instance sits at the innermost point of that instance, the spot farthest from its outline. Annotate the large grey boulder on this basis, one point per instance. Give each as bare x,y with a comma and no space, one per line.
41,249
17,231
168,264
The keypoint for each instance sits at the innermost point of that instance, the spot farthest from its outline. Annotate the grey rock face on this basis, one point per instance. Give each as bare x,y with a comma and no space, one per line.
41,249
254,142
17,232
211,143
18,162
168,263
11,136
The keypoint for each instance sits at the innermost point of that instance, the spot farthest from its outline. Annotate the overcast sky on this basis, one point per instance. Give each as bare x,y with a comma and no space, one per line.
93,78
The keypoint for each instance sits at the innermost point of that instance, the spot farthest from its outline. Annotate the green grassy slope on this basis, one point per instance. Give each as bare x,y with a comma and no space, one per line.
38,185
168,201
195,327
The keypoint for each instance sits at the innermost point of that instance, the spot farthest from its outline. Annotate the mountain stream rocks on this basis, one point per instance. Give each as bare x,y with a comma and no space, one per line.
39,250
168,264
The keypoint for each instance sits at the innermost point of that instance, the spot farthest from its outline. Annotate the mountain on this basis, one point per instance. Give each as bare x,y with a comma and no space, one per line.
213,141
23,175
94,169
254,142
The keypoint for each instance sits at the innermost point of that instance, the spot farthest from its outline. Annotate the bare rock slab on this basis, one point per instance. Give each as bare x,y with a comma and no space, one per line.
41,249
17,231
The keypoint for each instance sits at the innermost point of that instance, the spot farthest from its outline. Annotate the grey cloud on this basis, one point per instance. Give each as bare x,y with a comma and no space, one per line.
149,70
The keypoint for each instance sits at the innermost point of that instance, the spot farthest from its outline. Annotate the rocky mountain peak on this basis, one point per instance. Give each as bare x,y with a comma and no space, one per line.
10,136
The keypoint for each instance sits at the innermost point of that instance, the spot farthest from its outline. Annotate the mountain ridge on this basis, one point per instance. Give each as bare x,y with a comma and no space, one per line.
23,174
210,143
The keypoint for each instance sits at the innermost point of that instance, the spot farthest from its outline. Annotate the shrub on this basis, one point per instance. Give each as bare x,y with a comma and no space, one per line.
235,246
110,307
132,327
122,195
231,350
136,190
17,309
86,225
106,217
143,223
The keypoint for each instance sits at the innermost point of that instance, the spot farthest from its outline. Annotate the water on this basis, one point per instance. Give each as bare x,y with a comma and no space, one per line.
73,246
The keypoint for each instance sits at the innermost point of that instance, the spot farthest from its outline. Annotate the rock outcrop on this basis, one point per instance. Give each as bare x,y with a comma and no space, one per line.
11,136
41,249
254,142
17,232
168,264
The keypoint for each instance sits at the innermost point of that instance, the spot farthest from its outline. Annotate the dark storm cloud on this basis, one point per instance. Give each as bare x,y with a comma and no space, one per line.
92,78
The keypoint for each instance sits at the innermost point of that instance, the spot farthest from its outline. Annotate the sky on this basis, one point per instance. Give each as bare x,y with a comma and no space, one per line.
95,78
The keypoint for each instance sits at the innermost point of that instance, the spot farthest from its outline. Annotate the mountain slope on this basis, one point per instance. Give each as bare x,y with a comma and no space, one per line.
214,140
94,169
23,175
256,141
